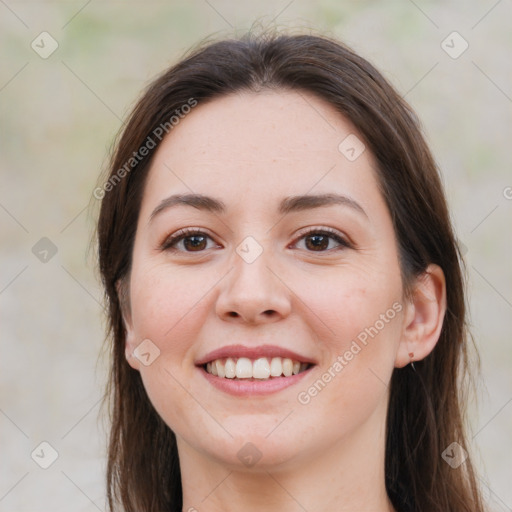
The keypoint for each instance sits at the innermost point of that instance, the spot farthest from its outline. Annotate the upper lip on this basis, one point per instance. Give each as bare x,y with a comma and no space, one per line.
236,351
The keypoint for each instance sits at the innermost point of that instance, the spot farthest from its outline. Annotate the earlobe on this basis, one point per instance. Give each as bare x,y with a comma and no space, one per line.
130,358
130,345
424,317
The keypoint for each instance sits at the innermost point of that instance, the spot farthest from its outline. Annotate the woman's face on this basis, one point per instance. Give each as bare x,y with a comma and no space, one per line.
262,275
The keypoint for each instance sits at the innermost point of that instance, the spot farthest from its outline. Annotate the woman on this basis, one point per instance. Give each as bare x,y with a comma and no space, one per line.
286,300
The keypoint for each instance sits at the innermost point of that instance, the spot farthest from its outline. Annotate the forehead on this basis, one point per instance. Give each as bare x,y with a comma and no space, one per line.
255,146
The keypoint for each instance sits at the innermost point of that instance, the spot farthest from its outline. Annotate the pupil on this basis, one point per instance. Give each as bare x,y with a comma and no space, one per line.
320,241
195,241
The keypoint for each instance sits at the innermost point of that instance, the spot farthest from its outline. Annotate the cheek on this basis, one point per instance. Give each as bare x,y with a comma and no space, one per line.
166,305
358,320
349,303
168,309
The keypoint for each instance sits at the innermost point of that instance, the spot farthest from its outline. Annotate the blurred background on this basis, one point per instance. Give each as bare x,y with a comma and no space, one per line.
71,70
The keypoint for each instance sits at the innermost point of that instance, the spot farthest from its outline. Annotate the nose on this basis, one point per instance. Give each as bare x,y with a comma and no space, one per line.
253,293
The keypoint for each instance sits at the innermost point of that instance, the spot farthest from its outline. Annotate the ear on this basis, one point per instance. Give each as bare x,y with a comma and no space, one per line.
123,295
423,317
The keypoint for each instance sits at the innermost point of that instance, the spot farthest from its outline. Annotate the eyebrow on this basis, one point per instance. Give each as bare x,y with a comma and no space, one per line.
287,205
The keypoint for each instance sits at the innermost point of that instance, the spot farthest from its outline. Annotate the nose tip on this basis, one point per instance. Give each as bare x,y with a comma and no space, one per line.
252,293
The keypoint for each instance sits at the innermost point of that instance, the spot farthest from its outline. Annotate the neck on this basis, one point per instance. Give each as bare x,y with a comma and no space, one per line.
345,477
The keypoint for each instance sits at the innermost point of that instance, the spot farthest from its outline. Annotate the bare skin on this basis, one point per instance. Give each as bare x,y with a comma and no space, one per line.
316,451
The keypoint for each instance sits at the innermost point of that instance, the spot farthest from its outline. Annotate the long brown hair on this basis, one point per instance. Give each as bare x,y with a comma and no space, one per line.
426,406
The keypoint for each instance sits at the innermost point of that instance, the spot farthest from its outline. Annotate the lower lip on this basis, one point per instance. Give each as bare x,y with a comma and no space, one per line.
244,387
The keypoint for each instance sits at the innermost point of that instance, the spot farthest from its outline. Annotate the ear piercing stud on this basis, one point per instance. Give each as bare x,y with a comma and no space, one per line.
411,357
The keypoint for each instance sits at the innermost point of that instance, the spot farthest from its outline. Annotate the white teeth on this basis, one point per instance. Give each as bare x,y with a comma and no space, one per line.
287,367
230,368
220,368
262,368
243,368
276,367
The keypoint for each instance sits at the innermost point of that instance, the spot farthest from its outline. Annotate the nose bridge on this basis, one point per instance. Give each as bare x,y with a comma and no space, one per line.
252,291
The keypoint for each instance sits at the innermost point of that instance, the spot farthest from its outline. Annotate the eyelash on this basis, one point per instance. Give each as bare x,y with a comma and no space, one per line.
170,241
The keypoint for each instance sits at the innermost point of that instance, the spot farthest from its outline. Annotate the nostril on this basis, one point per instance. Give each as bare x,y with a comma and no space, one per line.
268,312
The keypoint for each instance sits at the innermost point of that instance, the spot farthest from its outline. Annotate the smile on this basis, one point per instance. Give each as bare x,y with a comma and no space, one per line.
243,370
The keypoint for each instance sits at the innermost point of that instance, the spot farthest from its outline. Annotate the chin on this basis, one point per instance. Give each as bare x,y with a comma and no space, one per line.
254,447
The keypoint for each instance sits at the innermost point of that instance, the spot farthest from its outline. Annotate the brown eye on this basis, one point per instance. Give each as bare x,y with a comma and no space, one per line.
187,241
194,242
322,240
317,242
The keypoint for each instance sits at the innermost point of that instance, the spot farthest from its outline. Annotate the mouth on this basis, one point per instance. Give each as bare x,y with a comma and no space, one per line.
240,370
